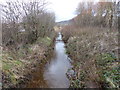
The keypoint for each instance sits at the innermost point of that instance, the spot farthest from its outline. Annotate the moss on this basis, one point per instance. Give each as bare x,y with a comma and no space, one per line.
46,41
6,62
17,62
9,65
6,66
12,78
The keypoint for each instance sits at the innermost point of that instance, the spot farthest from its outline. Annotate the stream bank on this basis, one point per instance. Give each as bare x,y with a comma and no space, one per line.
52,74
94,54
48,66
18,66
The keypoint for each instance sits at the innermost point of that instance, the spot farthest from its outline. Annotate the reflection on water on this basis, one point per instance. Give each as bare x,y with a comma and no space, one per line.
55,73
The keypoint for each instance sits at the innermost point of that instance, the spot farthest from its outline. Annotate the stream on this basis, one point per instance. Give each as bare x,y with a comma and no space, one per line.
53,75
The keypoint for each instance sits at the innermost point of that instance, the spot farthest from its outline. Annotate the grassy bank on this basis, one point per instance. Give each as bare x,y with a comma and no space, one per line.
94,52
17,66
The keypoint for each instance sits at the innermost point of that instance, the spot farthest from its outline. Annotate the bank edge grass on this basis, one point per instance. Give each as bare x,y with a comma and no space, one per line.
109,74
89,34
12,59
45,40
8,64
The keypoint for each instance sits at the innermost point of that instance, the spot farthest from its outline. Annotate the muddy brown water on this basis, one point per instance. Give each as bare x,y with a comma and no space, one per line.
53,74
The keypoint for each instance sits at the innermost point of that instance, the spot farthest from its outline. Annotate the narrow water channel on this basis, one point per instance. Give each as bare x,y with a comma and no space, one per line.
55,72
53,75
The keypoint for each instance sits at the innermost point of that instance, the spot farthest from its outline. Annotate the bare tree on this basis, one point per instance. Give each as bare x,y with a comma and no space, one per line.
100,14
31,17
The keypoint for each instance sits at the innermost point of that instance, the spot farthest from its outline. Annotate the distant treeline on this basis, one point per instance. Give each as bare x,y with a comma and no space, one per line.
102,14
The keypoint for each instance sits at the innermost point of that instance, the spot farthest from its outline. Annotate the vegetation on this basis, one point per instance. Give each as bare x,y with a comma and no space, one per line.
27,38
92,44
17,64
23,23
91,40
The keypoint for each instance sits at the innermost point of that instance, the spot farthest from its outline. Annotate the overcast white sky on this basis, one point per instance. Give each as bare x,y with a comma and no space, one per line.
64,9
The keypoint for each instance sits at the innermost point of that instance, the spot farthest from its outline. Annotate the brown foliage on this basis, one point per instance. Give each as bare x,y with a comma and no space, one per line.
101,14
23,22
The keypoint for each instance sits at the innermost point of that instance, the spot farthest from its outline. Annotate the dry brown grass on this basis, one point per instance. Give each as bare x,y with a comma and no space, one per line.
84,45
